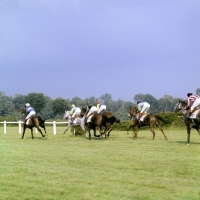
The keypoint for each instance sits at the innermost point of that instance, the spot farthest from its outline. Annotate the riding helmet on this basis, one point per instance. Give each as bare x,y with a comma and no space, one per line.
72,105
139,102
189,94
27,104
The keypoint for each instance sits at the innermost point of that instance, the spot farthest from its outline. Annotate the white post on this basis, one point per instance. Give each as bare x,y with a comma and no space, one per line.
4,127
20,127
54,127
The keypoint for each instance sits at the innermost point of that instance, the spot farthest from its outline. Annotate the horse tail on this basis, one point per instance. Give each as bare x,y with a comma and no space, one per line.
41,120
160,119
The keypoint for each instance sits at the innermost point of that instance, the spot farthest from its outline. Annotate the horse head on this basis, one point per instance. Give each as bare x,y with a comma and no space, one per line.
180,105
132,112
84,111
23,110
66,114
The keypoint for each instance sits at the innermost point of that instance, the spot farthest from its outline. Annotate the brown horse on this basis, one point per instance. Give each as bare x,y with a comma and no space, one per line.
189,122
35,121
148,120
100,120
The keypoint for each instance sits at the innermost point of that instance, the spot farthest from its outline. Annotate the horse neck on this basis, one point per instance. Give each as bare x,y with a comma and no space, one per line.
184,112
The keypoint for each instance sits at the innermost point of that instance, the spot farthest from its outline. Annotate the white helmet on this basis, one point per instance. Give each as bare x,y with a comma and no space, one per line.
72,105
27,104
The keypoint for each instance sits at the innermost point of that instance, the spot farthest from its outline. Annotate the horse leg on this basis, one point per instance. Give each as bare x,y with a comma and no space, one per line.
40,131
135,135
23,131
32,133
152,130
158,125
131,126
67,128
43,126
188,135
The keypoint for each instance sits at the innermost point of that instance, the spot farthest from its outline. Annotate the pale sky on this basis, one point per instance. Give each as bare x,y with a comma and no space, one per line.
84,48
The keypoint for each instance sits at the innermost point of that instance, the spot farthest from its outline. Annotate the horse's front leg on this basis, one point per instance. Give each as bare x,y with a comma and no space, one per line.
32,133
188,135
131,126
67,128
23,131
135,135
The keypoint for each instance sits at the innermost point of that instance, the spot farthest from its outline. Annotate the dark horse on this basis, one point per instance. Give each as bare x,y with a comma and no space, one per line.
35,121
149,120
100,120
189,122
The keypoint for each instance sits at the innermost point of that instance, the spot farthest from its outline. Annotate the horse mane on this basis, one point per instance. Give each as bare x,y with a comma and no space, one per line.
184,102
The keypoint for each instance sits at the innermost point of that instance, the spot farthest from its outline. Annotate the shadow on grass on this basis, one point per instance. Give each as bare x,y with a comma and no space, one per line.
185,142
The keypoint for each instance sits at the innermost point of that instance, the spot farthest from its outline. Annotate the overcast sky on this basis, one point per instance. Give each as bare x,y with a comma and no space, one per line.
84,48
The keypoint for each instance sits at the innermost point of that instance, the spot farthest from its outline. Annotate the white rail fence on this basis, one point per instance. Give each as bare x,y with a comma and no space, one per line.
54,123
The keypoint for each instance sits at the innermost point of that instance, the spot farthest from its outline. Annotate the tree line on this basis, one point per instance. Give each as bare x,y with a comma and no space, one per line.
53,109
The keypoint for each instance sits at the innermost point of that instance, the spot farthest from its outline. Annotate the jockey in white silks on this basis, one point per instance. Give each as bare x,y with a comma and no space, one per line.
100,106
74,112
29,112
143,108
90,113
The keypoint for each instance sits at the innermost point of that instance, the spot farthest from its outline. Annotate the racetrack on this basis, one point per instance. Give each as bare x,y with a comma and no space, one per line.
67,167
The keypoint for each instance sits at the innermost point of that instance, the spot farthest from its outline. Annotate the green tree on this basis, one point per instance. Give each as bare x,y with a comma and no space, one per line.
198,91
6,105
47,111
18,101
37,101
105,98
59,106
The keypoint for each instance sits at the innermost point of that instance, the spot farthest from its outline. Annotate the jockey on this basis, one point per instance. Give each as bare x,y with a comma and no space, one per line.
75,111
100,106
92,110
143,107
29,112
192,99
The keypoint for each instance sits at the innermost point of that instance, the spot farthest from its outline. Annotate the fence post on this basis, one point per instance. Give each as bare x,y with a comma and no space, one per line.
54,127
20,127
4,127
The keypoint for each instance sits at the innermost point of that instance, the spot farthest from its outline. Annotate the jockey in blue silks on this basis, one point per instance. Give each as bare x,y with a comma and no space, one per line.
29,112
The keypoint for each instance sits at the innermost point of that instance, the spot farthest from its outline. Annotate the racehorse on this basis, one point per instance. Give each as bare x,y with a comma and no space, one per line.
190,122
35,121
148,120
100,120
76,122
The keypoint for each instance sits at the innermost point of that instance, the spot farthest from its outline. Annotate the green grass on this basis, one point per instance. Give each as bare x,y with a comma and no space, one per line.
67,167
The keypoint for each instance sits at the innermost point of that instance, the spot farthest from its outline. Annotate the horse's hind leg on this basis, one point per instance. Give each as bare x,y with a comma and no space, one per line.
158,125
40,131
152,130
43,126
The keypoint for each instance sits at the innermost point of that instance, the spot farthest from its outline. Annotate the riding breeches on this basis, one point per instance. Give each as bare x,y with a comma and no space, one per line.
145,108
29,116
103,107
92,110
76,112
196,103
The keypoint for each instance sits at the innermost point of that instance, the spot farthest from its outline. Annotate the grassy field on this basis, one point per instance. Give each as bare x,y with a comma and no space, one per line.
66,167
